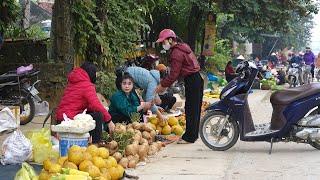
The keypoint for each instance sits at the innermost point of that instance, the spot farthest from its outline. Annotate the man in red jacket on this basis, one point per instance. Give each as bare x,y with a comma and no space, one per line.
184,64
80,94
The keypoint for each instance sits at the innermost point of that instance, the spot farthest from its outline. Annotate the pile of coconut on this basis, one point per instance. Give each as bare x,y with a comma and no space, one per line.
132,143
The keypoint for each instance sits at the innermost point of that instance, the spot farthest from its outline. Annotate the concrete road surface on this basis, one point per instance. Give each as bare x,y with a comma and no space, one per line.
246,160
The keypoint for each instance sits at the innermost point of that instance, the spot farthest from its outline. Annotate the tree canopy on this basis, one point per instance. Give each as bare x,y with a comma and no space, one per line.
237,19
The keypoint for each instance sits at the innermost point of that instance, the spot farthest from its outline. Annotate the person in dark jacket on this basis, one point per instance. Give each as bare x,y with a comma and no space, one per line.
309,58
125,102
183,63
229,72
80,94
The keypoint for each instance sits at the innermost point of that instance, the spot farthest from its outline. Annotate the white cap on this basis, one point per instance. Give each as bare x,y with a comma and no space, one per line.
273,54
241,57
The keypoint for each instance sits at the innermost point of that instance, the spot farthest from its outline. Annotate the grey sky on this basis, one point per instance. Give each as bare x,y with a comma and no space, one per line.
315,40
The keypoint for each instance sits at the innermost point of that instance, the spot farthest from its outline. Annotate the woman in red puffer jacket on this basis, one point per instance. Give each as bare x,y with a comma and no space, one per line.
80,94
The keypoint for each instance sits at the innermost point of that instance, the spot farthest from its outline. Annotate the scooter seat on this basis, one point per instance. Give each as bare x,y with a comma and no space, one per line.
284,97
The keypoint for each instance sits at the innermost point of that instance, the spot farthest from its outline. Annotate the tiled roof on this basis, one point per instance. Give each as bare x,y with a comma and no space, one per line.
46,6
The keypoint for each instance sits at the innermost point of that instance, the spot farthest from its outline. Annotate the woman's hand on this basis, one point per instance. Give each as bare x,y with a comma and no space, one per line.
111,126
147,106
144,106
160,89
157,101
160,116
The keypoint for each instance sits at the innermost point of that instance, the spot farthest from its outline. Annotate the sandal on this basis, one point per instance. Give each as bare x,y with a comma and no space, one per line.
181,141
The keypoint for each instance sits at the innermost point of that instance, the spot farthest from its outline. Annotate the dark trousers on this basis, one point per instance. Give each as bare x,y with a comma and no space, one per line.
167,101
312,71
96,133
119,118
194,95
229,77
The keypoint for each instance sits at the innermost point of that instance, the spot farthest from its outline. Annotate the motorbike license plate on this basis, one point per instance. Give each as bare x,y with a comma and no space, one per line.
33,91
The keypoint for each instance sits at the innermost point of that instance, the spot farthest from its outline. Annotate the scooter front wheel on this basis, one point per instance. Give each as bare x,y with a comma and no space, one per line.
210,126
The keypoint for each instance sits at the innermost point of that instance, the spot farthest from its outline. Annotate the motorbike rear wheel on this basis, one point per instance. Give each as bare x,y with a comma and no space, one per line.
208,131
27,107
315,144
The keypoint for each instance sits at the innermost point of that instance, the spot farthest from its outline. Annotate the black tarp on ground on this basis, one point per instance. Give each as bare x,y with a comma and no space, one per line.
8,172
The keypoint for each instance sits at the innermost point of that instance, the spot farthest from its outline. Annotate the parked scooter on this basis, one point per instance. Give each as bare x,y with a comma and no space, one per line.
295,115
306,73
19,90
293,75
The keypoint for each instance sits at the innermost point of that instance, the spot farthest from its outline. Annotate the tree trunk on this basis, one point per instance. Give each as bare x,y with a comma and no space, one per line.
62,35
193,25
26,14
94,50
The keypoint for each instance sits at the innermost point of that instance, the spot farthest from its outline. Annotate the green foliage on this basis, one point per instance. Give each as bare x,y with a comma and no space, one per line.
253,18
222,54
106,83
86,25
135,117
117,31
33,32
9,12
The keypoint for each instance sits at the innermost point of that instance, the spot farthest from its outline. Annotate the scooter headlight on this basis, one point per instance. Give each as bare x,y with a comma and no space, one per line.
223,95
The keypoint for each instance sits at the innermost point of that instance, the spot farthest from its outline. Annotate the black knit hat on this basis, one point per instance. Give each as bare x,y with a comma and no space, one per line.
91,69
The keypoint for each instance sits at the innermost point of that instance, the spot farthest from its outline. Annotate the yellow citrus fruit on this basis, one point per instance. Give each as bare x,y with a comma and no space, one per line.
154,127
83,149
87,156
166,130
93,171
173,121
84,164
69,165
121,170
178,130
99,162
55,168
112,161
75,157
93,150
74,148
163,123
153,120
114,173
103,152
106,175
46,164
103,170
61,160
44,175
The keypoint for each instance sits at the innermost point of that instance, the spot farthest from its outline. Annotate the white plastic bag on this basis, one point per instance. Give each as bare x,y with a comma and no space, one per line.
41,109
81,123
16,149
7,120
